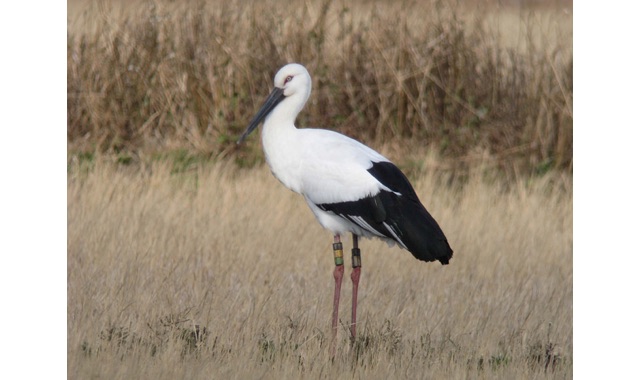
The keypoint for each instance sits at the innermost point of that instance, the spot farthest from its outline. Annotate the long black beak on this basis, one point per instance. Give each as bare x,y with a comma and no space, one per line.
275,97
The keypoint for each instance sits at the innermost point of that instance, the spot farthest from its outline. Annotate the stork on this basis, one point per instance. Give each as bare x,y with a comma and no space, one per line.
349,187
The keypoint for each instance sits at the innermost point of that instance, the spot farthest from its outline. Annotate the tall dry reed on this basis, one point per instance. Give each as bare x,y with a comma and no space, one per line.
150,77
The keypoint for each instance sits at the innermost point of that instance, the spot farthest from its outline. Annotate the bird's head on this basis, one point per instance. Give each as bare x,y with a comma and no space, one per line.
291,82
293,79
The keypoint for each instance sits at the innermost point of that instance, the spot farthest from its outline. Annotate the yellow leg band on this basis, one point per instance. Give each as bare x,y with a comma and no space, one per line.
337,253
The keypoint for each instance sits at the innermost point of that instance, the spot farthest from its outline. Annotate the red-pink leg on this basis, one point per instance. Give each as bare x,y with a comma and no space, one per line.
337,275
355,278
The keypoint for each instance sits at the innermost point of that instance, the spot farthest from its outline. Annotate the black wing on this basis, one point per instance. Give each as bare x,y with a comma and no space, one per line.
396,214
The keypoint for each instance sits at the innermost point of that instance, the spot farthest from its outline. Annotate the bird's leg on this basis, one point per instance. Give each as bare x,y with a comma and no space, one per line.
337,275
355,278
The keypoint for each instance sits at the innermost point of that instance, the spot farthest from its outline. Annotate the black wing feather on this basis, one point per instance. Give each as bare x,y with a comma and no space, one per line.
411,223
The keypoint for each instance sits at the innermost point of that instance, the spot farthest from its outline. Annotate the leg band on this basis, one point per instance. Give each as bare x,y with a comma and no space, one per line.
355,258
337,253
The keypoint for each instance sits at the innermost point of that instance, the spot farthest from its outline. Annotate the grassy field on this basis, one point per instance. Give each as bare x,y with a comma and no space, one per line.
218,272
186,259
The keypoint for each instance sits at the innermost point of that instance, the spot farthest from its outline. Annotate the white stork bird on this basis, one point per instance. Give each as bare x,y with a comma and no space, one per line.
348,186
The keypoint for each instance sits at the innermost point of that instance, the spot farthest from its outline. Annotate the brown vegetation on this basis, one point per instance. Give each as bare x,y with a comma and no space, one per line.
182,266
217,273
152,77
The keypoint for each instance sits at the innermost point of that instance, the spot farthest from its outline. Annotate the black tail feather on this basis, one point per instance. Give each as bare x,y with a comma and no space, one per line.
418,230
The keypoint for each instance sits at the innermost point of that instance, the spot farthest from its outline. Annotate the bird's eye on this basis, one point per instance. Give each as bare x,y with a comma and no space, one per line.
288,79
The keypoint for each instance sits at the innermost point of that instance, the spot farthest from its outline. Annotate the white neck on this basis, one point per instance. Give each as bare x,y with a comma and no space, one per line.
279,140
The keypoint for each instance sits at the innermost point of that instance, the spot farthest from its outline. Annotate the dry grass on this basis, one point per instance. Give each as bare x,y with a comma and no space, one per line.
460,77
216,272
183,268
